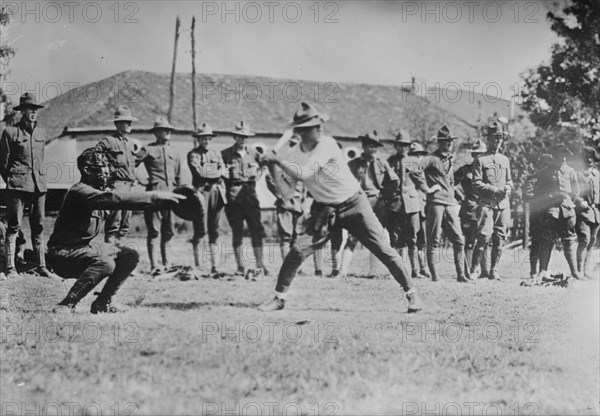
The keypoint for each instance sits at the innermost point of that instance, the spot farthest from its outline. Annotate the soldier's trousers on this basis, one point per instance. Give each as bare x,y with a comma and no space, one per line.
245,208
160,221
493,226
213,207
288,226
116,225
446,217
357,216
587,233
16,203
403,228
94,262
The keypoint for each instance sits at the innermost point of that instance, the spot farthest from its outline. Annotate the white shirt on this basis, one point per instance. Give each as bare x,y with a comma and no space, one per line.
324,171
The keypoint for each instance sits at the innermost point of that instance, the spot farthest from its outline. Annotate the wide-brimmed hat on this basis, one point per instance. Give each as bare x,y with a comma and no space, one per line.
588,151
495,129
123,113
161,123
242,129
371,138
402,138
445,134
308,116
27,100
204,131
192,207
478,147
416,149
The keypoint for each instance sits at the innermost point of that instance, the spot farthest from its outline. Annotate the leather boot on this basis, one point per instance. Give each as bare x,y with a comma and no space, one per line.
431,262
239,259
78,291
196,250
212,250
485,262
104,303
163,253
545,255
414,262
11,267
41,269
581,258
571,256
423,264
151,251
469,249
495,260
318,261
459,264
258,257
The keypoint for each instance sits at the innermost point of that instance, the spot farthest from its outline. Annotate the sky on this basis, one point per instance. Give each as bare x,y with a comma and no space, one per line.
479,45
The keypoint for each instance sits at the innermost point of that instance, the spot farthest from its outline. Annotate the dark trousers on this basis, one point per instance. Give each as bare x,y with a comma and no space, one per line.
378,206
94,262
288,226
160,221
16,203
213,207
403,228
245,208
357,216
116,225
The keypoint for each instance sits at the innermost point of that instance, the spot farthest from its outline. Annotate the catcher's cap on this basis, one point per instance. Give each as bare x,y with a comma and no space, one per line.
192,207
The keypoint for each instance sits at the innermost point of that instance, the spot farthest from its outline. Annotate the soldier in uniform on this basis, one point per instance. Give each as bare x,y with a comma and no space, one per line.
469,209
532,196
417,151
242,200
164,173
588,213
404,205
558,188
493,182
121,151
208,170
71,249
377,180
442,208
22,168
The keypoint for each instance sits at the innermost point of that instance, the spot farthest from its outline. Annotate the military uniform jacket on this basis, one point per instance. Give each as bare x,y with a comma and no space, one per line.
411,180
557,189
439,169
589,186
122,154
243,170
464,177
162,164
81,216
381,176
491,172
22,158
207,167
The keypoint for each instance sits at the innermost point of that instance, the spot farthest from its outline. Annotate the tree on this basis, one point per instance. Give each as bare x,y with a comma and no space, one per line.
6,53
566,92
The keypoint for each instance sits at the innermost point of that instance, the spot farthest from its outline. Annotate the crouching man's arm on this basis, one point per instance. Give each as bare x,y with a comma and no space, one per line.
130,200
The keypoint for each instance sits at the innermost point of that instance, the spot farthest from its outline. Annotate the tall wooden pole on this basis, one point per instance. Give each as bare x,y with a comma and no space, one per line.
194,73
172,86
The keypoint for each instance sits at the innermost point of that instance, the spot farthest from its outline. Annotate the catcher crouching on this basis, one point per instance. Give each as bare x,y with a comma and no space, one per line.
72,250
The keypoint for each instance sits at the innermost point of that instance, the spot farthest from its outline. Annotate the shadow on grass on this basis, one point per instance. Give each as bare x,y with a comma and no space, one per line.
185,306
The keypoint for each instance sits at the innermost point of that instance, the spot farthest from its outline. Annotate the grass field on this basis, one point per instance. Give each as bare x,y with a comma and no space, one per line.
341,347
